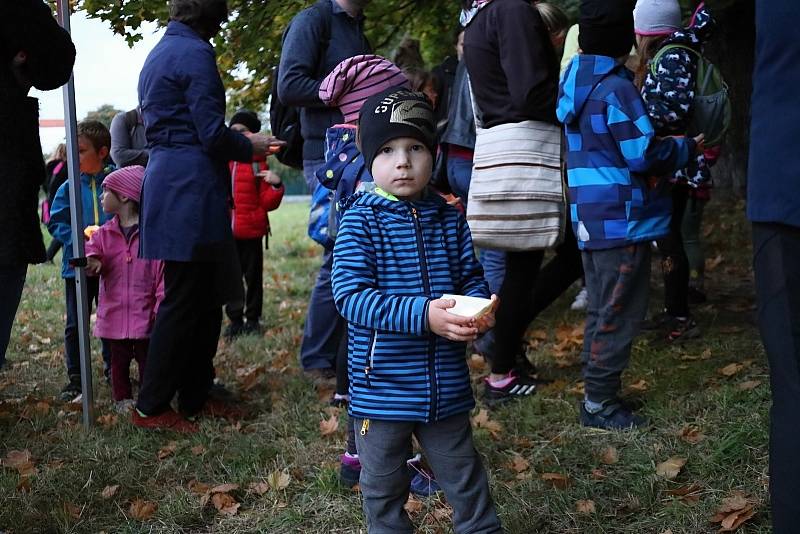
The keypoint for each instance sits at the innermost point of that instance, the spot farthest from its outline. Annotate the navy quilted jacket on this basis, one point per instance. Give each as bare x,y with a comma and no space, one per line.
391,259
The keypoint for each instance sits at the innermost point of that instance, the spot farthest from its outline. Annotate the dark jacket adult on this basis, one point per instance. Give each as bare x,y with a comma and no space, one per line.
28,26
511,63
318,39
186,192
460,118
128,142
773,183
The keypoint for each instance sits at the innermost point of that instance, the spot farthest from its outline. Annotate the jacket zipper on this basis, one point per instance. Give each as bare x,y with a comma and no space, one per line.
427,288
369,363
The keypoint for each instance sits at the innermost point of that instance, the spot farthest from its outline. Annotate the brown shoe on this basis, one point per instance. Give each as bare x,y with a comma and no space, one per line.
168,420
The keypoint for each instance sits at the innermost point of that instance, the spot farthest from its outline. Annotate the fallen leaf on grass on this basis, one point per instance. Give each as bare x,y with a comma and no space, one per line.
142,510
750,384
519,464
585,507
258,487
640,387
557,480
108,420
598,474
609,456
691,435
689,493
734,511
109,491
167,450
578,389
706,354
279,480
21,461
198,487
73,510
225,504
224,488
539,334
329,426
712,264
444,513
731,369
24,485
481,420
248,376
413,505
671,468
197,450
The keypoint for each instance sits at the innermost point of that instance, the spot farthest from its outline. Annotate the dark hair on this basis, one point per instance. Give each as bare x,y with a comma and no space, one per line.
646,50
96,132
204,16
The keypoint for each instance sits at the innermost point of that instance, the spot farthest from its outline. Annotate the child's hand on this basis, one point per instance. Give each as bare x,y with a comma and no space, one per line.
270,177
93,266
450,326
486,321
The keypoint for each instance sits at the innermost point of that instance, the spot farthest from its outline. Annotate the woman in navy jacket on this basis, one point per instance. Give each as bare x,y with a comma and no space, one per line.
185,208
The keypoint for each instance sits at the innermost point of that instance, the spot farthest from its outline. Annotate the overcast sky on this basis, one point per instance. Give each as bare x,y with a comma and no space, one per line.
106,72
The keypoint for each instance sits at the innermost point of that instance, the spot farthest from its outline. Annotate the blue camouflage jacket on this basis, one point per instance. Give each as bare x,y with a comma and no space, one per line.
391,259
611,149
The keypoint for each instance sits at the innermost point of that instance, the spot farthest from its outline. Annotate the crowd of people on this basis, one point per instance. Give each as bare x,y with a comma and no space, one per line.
589,141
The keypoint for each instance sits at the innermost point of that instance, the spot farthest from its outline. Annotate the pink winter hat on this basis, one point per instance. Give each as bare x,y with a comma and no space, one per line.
356,79
126,182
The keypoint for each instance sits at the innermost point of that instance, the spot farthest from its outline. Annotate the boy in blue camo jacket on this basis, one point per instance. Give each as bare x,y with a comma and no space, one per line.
400,247
616,209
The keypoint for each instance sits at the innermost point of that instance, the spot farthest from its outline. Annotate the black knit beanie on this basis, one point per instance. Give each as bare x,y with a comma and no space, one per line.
247,118
391,114
606,27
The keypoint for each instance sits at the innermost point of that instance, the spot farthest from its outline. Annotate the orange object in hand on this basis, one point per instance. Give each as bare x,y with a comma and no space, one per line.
89,231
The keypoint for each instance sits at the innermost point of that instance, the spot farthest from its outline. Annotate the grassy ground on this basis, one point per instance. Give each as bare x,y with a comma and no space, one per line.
544,467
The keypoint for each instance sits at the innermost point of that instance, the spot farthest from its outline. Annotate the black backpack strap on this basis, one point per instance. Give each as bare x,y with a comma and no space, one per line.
131,121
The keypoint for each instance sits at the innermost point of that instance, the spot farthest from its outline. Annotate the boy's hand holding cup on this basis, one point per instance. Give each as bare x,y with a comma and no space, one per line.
459,318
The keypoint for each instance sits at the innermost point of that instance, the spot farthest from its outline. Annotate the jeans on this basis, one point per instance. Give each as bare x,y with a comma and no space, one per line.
674,262
776,260
324,327
184,338
12,280
251,259
617,282
71,343
383,451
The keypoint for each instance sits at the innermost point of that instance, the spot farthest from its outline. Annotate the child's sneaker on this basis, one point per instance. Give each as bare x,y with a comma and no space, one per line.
169,420
612,416
513,386
72,390
340,400
682,328
581,300
252,327
233,330
423,483
349,470
125,406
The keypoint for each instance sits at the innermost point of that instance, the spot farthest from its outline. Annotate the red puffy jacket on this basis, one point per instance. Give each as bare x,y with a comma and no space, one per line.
252,199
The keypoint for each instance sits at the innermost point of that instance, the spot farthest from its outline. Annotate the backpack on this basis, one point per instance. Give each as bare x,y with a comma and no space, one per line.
285,120
711,108
131,121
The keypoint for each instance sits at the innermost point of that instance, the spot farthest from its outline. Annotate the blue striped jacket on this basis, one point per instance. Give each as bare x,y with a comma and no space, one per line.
611,152
390,260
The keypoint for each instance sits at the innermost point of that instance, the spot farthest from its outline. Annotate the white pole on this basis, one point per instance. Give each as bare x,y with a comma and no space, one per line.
76,213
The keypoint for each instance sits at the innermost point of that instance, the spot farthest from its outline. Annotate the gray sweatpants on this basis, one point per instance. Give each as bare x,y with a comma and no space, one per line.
618,285
383,451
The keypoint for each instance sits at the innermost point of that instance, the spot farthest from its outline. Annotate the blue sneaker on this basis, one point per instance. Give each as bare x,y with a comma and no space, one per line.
613,416
423,483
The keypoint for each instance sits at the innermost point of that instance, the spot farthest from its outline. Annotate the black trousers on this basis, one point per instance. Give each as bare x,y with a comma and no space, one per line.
251,259
674,261
184,338
776,260
527,291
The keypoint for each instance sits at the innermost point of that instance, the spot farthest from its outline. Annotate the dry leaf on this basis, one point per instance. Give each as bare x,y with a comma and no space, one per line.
198,487
688,493
585,507
24,485
73,510
750,384
21,461
731,369
248,376
197,450
413,505
108,420
225,504
735,510
578,389
109,491
279,480
556,480
640,386
712,264
520,464
142,510
444,513
691,435
224,488
167,450
481,420
539,334
671,468
258,487
329,426
706,355
609,456
598,474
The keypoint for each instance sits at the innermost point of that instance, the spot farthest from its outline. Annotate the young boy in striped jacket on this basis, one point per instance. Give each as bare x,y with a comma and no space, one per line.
399,249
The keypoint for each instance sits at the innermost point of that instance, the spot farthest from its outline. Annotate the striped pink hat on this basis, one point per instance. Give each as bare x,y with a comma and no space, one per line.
126,182
356,79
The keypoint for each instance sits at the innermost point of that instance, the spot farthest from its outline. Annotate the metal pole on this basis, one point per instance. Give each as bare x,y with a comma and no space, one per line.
76,220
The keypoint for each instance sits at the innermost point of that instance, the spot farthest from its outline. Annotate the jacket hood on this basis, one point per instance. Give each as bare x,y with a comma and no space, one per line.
343,153
697,33
583,74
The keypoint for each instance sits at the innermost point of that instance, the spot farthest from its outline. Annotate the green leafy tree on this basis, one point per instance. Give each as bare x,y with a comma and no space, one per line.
104,114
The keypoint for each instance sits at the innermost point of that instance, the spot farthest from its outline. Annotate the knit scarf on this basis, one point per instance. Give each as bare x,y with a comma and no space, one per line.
468,14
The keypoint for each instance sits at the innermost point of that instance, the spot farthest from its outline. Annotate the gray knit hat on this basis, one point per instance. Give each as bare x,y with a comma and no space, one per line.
656,17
